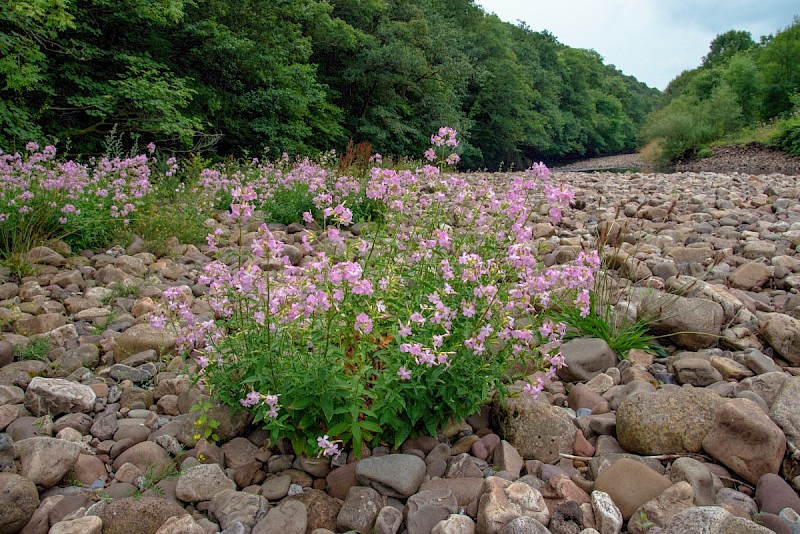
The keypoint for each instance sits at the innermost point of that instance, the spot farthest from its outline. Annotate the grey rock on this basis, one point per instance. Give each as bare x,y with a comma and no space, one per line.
711,520
668,421
44,461
55,396
289,517
585,359
360,509
393,475
202,483
230,506
425,509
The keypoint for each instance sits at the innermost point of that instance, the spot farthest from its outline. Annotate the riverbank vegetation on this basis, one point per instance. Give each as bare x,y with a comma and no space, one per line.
743,92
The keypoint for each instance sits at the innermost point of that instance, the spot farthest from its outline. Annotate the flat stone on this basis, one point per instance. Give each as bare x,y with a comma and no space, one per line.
393,475
630,484
289,517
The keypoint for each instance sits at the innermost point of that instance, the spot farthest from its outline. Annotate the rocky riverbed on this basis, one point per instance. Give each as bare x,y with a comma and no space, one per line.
704,440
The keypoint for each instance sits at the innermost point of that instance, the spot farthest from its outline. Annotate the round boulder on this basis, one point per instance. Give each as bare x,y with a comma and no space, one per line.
18,500
667,421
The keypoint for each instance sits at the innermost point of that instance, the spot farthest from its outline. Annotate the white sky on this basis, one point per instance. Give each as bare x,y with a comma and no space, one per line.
653,40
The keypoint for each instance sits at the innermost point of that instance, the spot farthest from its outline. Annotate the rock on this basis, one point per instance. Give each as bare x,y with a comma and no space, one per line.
18,501
229,506
784,409
55,396
524,525
668,421
276,488
181,525
711,520
21,373
202,483
607,516
630,484
39,324
744,439
503,501
145,455
44,256
232,423
144,515
465,490
393,475
773,494
698,476
782,332
507,459
90,524
87,470
537,430
424,510
455,524
585,359
696,371
359,510
389,521
658,511
749,276
44,461
289,517
699,321
322,509
141,337
239,451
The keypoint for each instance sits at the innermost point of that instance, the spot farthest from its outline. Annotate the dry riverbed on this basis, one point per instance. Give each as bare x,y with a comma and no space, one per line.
700,440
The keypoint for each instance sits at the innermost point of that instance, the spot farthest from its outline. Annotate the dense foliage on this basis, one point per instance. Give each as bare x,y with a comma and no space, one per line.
741,84
249,77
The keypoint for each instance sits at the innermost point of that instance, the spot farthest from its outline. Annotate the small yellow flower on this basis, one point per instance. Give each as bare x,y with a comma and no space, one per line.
197,436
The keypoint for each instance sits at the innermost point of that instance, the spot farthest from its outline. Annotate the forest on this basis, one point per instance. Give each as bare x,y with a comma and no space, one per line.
253,78
743,91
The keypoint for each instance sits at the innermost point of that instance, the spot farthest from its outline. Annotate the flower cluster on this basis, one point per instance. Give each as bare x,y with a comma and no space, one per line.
415,321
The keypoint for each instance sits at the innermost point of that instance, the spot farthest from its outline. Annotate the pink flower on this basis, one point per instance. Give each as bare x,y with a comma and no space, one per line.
430,154
329,448
363,323
404,374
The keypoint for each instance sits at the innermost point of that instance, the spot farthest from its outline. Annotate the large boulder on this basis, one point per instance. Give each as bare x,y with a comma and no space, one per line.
782,332
44,461
745,440
144,515
142,337
691,323
18,500
667,421
535,428
55,396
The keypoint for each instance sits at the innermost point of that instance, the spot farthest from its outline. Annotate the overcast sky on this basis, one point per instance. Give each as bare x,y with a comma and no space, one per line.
653,40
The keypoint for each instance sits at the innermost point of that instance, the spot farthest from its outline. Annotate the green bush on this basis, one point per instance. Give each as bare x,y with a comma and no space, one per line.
787,135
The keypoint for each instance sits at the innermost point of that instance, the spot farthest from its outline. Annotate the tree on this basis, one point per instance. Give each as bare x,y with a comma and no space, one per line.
726,45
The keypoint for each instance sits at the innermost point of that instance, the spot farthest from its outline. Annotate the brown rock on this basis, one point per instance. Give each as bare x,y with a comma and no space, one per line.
630,484
745,440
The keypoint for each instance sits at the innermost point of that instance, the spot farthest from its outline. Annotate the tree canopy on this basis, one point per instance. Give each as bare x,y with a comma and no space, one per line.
267,76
